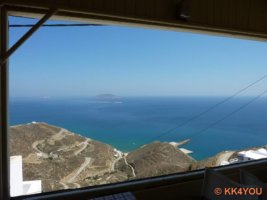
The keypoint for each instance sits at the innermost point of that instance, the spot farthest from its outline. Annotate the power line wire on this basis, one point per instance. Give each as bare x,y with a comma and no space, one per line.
209,109
52,25
229,115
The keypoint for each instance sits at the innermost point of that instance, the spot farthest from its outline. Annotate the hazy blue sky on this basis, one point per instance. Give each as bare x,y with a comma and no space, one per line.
85,61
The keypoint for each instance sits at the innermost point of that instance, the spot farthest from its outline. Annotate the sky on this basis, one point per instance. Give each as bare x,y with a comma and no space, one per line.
125,61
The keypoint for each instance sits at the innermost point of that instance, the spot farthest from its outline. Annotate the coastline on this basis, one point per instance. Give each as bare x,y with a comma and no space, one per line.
136,121
87,162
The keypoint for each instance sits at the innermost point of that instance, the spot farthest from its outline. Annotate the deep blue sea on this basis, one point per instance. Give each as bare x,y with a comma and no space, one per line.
139,120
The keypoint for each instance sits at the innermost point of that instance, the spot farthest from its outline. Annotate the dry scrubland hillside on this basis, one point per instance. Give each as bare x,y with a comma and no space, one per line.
63,160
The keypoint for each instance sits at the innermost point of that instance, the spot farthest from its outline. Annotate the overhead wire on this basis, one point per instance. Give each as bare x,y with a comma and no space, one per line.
228,115
53,25
169,131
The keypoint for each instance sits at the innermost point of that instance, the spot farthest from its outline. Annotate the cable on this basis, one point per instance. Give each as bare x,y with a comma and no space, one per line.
52,25
209,109
229,115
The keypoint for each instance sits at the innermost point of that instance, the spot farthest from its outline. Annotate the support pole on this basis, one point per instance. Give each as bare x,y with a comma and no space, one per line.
4,56
27,35
4,153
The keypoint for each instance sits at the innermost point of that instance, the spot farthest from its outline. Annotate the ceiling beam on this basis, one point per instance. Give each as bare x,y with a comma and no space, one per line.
238,18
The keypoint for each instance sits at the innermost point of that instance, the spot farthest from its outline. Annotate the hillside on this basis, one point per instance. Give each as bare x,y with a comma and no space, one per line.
157,158
63,160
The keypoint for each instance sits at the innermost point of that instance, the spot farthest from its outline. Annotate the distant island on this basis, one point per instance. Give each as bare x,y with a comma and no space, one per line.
65,160
108,98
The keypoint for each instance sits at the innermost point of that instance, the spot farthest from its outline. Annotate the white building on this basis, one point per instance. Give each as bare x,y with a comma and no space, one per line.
17,185
224,162
252,154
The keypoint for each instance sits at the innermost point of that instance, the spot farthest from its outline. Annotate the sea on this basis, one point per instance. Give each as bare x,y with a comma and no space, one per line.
130,122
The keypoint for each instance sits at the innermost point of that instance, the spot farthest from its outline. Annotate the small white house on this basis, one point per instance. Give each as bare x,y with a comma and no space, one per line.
252,154
262,151
186,151
224,162
19,187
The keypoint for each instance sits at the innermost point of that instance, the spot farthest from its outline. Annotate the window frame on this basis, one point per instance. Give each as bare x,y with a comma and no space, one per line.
144,184
93,191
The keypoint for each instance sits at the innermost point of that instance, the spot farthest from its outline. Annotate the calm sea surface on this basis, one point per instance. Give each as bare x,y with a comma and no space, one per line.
139,120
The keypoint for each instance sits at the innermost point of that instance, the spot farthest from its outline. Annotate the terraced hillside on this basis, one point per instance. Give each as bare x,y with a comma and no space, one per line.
64,160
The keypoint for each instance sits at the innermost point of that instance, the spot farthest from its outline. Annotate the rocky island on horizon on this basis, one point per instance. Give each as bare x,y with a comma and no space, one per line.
65,160
108,98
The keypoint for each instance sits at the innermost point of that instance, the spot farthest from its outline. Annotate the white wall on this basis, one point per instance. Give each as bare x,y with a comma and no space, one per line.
17,186
16,177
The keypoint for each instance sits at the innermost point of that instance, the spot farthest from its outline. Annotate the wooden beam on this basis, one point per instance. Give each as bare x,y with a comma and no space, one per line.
4,57
239,18
4,150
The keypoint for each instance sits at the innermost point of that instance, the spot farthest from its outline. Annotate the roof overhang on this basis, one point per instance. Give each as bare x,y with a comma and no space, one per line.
240,18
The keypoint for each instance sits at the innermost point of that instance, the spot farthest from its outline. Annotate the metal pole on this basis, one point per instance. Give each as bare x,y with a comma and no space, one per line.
27,35
4,151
